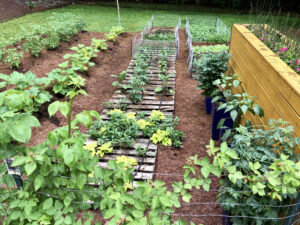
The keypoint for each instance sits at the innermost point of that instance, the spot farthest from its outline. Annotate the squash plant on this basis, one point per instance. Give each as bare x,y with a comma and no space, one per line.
63,79
123,128
99,44
80,61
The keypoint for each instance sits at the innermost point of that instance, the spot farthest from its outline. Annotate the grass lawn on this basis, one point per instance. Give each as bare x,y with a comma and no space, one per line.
103,17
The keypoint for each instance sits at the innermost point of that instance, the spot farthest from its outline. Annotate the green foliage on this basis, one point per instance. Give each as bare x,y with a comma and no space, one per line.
120,130
200,50
161,35
65,78
114,33
33,44
267,161
99,44
123,128
28,95
135,88
120,77
260,168
237,104
12,56
51,41
210,68
80,61
207,34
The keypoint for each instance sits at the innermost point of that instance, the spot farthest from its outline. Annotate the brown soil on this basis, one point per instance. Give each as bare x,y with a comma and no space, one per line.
12,8
15,8
196,125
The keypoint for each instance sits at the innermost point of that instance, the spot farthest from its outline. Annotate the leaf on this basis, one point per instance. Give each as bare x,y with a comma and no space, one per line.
205,171
18,161
158,89
233,115
30,168
275,181
67,201
20,132
137,214
53,108
81,180
244,109
68,220
64,108
236,83
38,182
47,204
139,205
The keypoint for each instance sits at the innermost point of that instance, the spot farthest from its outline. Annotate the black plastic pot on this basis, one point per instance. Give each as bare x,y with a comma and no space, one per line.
208,104
226,218
216,117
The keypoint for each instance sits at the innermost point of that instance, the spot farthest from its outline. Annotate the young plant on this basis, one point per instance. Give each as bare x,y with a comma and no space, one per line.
63,79
237,104
51,41
120,77
33,44
80,61
29,93
164,88
13,58
99,44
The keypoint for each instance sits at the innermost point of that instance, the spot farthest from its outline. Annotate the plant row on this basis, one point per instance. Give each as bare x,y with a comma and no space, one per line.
41,38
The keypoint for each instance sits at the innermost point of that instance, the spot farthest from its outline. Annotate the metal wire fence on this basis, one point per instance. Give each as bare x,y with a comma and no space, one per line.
201,209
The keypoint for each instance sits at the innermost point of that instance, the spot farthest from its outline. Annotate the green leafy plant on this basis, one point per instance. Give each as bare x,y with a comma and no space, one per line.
29,93
210,68
259,172
63,78
80,61
123,128
161,35
200,50
51,41
99,44
164,88
120,77
208,34
134,87
33,44
12,57
237,104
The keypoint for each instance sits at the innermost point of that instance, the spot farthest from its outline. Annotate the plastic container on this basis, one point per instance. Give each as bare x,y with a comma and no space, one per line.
216,117
208,105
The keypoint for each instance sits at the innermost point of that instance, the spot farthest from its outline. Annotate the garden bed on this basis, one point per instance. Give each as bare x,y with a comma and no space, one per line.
275,84
98,84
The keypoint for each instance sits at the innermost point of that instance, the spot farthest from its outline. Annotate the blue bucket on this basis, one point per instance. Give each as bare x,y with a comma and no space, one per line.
217,116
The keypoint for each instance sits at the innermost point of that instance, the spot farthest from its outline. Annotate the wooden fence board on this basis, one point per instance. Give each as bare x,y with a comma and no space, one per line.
266,76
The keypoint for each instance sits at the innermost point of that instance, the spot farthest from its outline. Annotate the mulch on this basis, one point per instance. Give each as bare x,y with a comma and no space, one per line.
196,125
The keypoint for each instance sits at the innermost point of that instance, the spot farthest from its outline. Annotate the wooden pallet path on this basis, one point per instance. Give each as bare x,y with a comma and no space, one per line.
151,101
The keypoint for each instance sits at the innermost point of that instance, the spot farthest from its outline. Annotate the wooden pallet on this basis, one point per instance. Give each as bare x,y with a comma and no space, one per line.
151,101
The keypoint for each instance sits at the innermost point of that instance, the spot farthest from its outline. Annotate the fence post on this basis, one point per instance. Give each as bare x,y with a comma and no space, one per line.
293,211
